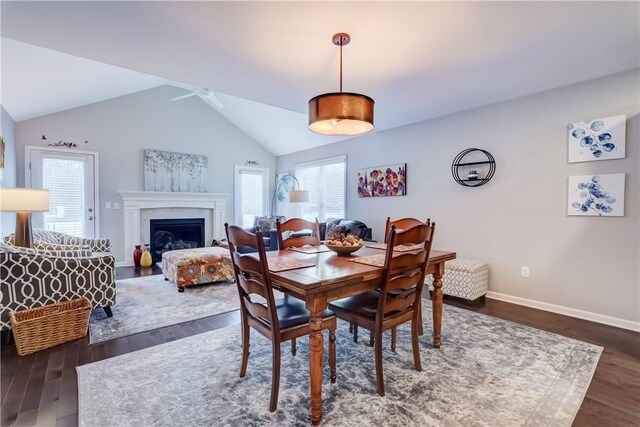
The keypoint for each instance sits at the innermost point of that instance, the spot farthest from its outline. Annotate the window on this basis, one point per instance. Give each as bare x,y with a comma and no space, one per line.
326,182
65,181
250,194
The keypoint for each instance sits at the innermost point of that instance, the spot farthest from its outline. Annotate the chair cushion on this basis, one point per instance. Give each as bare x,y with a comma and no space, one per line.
292,312
364,305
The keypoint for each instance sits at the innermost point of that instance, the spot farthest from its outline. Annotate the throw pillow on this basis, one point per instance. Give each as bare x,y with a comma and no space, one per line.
83,253
266,225
46,246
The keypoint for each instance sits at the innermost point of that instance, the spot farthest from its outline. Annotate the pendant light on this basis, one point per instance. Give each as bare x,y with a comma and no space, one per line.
341,113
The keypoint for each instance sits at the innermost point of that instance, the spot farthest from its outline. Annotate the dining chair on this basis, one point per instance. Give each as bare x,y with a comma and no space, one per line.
295,225
278,320
398,299
401,224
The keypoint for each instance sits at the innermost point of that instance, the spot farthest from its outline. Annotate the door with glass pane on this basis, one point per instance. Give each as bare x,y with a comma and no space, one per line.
70,177
250,194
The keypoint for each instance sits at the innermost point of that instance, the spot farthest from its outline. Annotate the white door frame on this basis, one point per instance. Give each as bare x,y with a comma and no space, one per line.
237,199
28,149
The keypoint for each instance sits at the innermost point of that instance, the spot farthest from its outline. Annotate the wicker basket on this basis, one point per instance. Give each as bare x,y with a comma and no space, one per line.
50,325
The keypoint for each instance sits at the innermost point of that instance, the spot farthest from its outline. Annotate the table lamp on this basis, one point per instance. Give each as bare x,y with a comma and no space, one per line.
23,201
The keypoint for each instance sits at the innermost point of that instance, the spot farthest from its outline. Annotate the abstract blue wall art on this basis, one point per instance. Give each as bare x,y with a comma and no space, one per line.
596,195
600,139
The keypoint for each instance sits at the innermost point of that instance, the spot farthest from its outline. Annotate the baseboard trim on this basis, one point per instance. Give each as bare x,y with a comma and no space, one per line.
121,264
567,311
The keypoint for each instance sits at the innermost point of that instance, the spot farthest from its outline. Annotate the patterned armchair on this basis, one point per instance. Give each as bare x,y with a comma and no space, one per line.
31,278
45,239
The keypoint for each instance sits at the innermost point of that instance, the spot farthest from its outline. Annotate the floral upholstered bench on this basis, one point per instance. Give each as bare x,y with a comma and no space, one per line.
187,267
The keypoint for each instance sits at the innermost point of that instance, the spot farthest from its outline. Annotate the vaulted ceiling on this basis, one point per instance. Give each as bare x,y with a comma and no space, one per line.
265,60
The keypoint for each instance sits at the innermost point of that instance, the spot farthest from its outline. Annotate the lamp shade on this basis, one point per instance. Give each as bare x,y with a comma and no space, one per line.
24,200
299,196
341,113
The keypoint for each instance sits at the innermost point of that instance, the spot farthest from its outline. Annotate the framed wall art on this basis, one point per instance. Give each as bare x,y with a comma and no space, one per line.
175,172
600,139
596,195
383,181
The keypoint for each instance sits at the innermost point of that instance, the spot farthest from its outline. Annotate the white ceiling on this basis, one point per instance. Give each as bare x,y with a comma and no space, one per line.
38,81
417,60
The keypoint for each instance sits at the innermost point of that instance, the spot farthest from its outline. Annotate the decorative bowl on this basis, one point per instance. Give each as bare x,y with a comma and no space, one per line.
344,250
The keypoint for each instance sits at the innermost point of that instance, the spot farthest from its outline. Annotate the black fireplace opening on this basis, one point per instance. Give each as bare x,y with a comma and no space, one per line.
171,234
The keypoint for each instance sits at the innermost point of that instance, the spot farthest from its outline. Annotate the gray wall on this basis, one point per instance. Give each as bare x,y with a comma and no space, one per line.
9,174
519,218
121,128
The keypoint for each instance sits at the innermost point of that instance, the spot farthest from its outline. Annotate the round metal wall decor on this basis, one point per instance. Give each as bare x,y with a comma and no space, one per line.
471,173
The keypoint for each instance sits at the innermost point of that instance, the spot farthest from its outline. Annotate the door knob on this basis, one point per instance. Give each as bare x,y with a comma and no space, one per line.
90,209
90,218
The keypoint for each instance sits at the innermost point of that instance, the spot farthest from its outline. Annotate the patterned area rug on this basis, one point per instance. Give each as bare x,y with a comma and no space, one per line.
488,372
147,303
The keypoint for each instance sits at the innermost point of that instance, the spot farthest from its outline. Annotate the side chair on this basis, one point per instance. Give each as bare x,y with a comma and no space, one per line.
398,300
294,225
277,320
401,225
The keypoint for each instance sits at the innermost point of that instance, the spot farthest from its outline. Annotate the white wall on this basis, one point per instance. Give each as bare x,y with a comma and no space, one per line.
519,218
9,174
121,128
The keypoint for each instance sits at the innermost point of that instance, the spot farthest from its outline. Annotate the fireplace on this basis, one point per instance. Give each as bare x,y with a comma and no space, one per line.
171,234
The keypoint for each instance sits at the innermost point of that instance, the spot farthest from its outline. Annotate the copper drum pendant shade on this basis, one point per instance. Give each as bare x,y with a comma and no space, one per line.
341,113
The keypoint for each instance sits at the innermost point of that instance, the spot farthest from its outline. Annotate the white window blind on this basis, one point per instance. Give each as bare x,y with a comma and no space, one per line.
65,181
251,194
326,182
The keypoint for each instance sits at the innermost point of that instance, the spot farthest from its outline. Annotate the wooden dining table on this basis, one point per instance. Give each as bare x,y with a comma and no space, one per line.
333,277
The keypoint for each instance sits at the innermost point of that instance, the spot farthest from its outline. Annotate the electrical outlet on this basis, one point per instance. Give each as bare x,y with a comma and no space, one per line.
116,205
107,205
524,272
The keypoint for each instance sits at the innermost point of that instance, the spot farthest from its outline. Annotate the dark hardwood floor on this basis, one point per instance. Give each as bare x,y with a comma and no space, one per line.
41,388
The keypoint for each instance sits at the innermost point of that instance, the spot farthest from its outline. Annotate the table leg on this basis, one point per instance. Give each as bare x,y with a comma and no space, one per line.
316,305
437,304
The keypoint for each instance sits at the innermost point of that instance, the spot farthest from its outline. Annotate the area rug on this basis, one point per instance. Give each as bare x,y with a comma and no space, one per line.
489,372
150,302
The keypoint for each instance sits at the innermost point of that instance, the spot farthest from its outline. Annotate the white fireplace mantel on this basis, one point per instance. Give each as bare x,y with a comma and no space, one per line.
134,201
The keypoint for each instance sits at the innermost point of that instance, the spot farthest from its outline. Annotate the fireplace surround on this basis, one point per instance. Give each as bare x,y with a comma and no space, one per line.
136,202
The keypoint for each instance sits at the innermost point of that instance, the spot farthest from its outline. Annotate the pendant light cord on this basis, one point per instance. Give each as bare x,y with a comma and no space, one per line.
341,66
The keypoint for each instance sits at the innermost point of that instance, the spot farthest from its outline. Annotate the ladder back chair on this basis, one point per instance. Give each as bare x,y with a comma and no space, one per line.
398,299
294,225
277,320
401,225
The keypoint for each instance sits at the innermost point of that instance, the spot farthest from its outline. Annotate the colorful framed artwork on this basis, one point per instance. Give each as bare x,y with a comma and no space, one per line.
596,195
175,172
383,181
600,139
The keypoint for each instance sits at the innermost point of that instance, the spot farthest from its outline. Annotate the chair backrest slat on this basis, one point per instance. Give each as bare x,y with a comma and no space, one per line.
298,224
256,310
403,275
252,277
401,225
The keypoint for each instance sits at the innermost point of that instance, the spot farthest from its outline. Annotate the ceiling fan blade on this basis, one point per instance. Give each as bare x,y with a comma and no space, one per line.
184,96
210,98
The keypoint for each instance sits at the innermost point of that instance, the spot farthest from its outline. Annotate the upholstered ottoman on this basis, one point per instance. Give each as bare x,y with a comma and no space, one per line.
464,278
186,267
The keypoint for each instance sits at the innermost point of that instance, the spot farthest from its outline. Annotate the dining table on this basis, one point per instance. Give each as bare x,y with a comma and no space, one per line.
327,277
